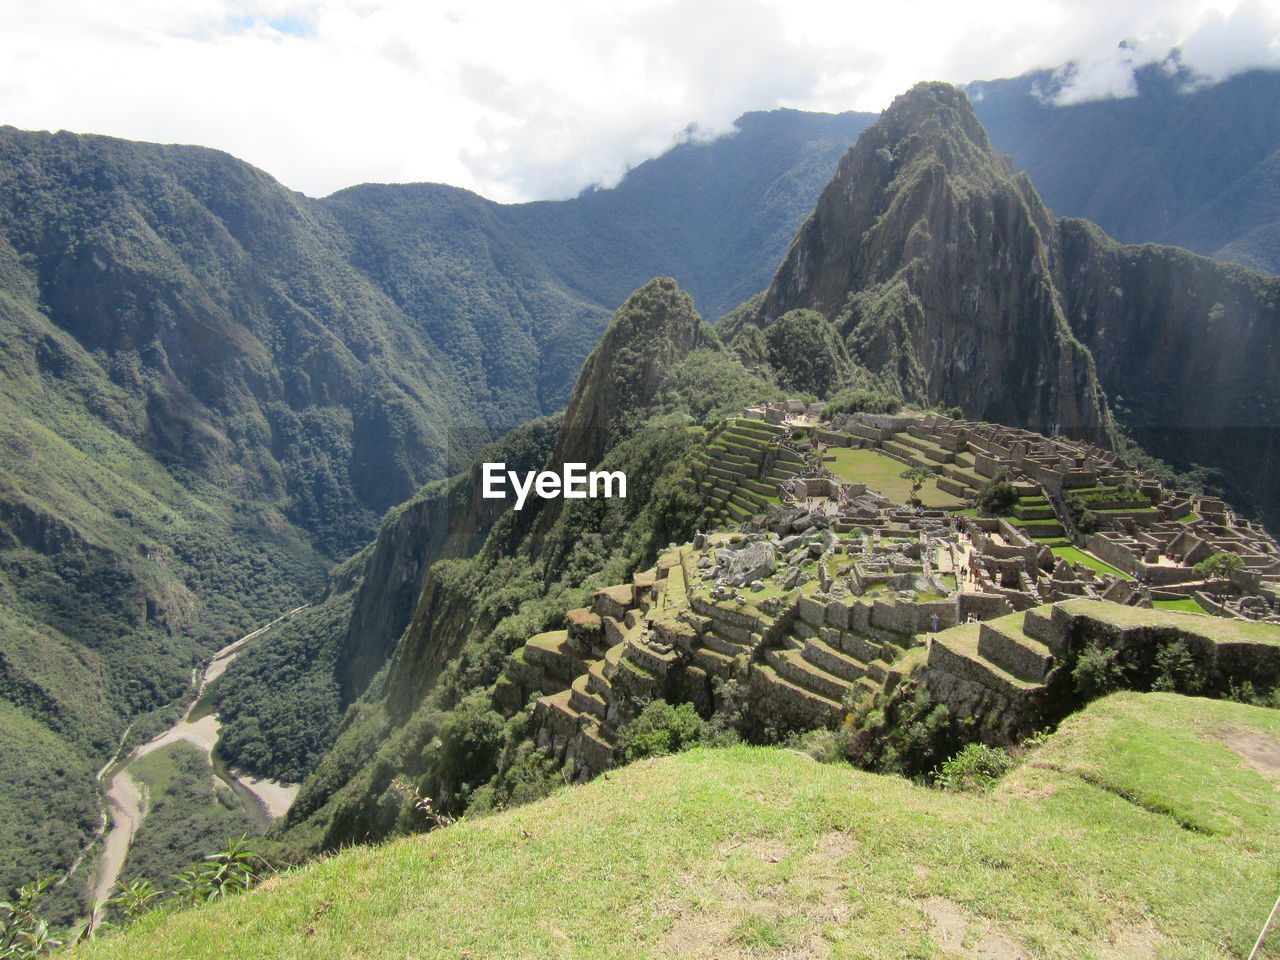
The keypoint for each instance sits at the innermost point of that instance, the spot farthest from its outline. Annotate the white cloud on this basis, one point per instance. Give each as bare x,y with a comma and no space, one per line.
526,100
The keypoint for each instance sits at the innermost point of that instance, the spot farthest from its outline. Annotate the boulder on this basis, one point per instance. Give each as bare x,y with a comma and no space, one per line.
754,562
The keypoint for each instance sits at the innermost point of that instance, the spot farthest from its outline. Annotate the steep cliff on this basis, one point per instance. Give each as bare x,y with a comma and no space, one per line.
931,255
1189,351
446,519
649,333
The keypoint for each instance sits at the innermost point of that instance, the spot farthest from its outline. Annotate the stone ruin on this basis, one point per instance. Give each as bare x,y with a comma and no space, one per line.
825,593
1152,537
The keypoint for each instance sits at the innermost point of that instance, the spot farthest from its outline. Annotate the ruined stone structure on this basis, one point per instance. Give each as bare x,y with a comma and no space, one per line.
1010,675
827,593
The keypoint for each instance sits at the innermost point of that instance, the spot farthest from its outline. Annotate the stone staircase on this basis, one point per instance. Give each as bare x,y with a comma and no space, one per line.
575,670
739,471
818,664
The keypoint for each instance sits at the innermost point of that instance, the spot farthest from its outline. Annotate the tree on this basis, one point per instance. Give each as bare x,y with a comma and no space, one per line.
998,494
918,476
1219,567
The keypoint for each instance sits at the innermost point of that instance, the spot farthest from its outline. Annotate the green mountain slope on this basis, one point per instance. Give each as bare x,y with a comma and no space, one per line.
657,368
211,387
1147,826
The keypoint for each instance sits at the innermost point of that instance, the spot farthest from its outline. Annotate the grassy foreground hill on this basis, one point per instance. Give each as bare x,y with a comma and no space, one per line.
1147,826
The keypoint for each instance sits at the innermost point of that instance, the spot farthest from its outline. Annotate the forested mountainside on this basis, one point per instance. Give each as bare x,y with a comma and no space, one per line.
930,269
945,276
1182,162
213,387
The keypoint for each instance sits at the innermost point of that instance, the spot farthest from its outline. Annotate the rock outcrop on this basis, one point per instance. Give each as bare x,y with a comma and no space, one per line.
933,258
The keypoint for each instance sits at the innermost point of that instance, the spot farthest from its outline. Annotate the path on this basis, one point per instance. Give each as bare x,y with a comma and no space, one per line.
199,726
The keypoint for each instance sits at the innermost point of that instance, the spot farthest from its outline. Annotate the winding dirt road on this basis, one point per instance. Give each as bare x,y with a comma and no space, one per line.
263,799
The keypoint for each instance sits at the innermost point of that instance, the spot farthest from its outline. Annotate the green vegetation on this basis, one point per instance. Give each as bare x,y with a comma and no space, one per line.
279,701
188,810
997,495
808,353
35,765
1186,605
1097,672
883,474
976,767
917,477
213,386
1076,555
1220,567
860,401
1158,799
24,934
533,567
661,728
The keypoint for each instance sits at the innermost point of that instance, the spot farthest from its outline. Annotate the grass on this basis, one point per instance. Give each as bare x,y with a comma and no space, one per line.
1076,555
1222,629
1186,605
881,473
1135,830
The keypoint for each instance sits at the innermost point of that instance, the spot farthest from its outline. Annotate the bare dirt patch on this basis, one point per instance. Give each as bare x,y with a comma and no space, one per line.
952,928
765,848
1139,941
1260,752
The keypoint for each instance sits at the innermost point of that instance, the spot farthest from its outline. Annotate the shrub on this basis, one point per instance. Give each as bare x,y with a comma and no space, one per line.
1088,521
976,767
23,934
1176,670
997,495
1096,673
1245,692
233,869
860,401
661,728
824,745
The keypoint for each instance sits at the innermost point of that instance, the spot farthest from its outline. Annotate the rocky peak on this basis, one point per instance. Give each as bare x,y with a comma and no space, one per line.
932,257
649,333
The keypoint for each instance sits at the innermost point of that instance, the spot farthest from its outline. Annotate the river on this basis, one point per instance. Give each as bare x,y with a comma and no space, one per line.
264,800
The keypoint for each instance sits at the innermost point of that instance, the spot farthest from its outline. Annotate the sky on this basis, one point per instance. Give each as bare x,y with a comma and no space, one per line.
542,98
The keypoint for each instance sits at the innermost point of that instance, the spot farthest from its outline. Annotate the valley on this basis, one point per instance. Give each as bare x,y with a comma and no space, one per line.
263,800
951,474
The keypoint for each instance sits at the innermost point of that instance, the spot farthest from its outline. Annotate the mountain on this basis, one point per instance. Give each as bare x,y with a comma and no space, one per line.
715,215
212,387
657,367
951,282
929,268
928,253
1181,162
